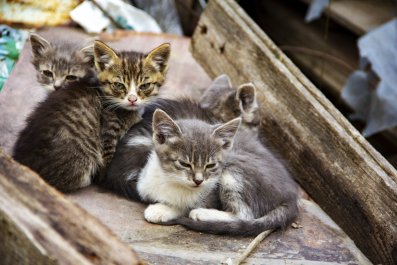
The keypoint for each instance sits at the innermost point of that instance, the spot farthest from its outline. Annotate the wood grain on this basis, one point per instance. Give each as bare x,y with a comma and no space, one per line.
360,16
38,225
352,182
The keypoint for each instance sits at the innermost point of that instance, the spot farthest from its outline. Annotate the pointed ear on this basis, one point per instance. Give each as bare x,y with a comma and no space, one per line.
226,132
219,86
104,56
159,56
246,95
39,45
88,54
164,127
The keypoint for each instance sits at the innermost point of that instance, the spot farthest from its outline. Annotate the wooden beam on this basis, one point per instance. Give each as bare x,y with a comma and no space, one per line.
360,16
350,180
38,225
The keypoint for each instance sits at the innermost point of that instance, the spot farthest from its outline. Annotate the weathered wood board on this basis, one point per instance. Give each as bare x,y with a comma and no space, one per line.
360,16
38,225
350,180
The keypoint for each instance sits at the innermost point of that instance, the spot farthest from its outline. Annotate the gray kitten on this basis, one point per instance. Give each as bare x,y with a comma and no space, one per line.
223,178
59,64
221,102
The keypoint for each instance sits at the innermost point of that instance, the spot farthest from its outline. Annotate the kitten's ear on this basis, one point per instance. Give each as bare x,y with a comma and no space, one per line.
104,56
216,88
88,54
39,45
164,127
159,57
246,95
226,132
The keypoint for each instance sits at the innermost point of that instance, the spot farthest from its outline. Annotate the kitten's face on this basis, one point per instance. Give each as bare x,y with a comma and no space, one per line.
226,102
58,66
191,151
130,79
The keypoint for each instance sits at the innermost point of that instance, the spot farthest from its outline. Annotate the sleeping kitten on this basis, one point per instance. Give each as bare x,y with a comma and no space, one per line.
225,180
60,64
133,150
72,135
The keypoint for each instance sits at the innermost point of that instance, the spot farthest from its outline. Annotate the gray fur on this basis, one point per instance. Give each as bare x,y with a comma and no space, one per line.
59,64
129,158
252,187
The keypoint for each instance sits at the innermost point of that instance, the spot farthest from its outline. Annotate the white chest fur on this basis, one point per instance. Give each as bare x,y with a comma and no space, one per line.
156,185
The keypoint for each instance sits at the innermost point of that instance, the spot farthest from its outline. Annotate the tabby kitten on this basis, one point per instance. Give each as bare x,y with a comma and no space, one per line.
133,150
60,64
72,134
225,180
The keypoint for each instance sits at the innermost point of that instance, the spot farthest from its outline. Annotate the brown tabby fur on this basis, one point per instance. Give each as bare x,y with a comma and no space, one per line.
71,136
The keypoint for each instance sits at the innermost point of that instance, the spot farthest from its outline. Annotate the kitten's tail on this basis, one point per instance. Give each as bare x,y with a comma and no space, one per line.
281,217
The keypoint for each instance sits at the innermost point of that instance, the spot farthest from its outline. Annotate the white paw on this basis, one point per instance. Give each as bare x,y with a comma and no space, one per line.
199,214
202,214
159,213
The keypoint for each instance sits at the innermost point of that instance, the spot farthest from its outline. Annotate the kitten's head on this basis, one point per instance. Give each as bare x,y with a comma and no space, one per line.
59,65
226,102
191,151
130,79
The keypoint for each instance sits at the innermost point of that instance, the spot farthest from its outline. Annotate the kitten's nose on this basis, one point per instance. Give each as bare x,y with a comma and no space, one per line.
198,178
198,181
57,87
132,98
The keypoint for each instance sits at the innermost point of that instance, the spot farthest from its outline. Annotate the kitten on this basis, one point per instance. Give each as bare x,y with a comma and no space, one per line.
72,135
133,150
58,64
225,180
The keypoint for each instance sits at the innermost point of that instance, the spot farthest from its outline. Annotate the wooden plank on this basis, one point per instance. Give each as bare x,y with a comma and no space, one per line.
350,180
38,225
360,16
326,53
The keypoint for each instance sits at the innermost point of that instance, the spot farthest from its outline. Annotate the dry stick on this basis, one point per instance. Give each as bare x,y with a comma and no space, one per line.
254,243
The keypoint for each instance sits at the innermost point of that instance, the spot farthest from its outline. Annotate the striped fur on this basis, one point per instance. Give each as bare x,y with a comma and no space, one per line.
71,136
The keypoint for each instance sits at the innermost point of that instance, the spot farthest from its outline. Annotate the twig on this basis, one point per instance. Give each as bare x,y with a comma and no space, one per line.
254,243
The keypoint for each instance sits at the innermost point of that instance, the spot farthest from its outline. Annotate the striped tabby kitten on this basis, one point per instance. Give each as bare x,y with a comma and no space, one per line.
225,180
72,135
133,150
60,64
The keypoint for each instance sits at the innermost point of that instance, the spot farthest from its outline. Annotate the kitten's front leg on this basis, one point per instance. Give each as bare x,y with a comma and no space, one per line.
203,214
160,213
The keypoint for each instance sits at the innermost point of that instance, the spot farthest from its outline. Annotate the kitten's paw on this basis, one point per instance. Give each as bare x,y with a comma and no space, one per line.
199,214
202,214
160,213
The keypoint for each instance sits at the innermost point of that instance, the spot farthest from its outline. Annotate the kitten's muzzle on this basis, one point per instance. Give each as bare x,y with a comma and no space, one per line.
132,99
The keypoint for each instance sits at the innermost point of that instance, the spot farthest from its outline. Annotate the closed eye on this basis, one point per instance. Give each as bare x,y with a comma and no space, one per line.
47,73
183,164
71,77
210,166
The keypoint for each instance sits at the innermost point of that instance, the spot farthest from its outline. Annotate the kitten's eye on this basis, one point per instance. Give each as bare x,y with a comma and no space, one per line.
184,164
47,73
210,166
119,86
144,86
71,77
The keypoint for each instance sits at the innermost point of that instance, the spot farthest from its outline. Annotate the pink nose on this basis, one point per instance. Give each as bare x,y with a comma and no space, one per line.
132,98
